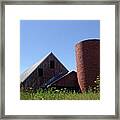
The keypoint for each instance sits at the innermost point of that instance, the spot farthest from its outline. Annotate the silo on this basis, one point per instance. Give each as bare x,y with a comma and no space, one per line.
88,62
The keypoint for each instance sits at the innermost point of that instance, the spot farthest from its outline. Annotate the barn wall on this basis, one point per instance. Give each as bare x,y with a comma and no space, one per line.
88,62
69,80
35,81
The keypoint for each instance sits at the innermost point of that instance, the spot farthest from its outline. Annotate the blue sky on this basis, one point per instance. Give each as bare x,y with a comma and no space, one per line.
39,37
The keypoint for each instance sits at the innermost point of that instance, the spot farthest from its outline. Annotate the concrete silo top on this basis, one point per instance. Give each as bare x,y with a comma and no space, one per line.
88,40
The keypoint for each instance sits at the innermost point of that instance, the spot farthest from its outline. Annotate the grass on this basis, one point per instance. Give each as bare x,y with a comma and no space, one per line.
58,94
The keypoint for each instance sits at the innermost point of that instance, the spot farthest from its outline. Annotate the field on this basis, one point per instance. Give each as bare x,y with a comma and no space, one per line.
58,94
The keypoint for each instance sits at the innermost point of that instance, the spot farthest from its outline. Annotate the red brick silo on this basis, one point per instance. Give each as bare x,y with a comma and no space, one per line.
88,62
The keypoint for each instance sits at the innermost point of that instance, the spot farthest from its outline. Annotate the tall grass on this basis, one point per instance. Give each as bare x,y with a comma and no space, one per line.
57,94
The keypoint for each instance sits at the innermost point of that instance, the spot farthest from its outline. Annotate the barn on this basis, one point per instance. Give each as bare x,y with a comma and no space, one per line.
48,72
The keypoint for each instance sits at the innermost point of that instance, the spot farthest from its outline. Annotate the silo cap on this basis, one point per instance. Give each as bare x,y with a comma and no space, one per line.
88,40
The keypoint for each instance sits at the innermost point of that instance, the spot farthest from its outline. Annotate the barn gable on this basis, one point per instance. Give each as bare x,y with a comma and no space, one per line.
43,70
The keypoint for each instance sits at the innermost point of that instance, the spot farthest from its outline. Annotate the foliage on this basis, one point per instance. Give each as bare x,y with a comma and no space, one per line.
95,87
97,82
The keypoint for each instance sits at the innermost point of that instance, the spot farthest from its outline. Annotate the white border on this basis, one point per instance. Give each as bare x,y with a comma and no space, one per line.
104,13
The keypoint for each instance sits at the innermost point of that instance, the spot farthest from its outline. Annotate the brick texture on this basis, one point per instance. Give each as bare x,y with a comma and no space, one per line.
88,62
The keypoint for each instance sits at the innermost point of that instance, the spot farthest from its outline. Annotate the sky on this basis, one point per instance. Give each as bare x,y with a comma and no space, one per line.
40,37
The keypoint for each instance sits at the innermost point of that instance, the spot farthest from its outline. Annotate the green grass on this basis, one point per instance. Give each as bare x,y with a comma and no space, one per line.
56,94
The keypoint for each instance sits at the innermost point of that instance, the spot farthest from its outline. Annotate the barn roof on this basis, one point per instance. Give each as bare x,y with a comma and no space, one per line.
57,78
25,74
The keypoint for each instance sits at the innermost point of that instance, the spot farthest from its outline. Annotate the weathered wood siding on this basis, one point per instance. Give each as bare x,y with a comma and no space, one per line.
35,80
